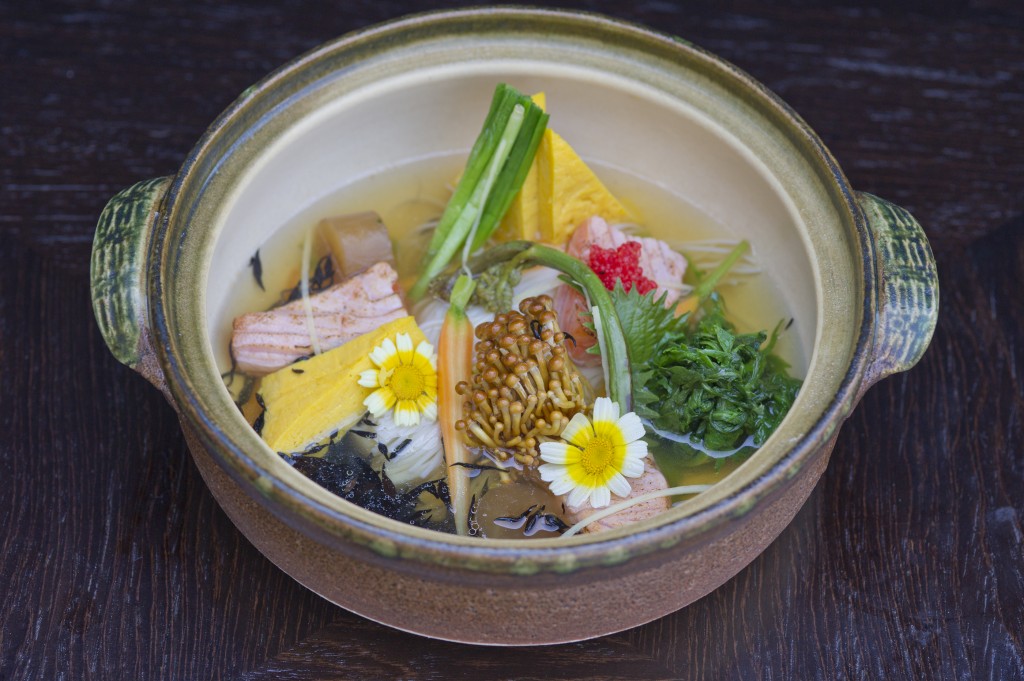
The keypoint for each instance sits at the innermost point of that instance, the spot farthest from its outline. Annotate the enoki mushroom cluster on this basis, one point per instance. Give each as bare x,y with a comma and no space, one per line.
525,388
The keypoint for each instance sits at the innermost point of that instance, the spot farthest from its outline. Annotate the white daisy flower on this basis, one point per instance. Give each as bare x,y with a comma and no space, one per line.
596,456
405,379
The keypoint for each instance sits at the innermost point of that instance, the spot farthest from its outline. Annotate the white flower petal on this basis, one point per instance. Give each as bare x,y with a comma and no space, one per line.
426,350
619,485
368,379
558,477
406,413
404,344
578,431
600,497
631,427
550,471
605,410
578,495
379,401
636,450
561,486
632,467
554,452
383,352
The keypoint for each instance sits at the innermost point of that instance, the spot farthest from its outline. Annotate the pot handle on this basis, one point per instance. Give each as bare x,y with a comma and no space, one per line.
908,288
118,274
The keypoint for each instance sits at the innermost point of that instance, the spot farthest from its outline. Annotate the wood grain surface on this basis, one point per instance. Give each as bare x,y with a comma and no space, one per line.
906,563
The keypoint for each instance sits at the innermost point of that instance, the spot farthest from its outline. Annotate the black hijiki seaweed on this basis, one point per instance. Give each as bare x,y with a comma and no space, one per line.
231,374
257,425
351,477
436,488
321,279
536,328
477,468
382,448
315,448
528,520
257,269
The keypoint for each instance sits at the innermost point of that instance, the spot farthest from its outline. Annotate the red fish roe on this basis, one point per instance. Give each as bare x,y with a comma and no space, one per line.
620,263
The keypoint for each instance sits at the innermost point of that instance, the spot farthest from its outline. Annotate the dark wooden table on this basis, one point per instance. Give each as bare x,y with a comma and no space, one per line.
907,561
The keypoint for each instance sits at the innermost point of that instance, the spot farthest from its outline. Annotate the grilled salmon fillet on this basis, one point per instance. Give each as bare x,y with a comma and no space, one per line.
263,342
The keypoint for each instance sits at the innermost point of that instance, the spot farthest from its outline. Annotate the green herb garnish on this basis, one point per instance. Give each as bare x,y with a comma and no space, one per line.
497,166
495,287
705,283
718,386
705,381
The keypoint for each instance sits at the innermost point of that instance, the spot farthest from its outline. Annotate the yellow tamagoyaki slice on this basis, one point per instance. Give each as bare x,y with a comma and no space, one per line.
570,192
560,192
309,400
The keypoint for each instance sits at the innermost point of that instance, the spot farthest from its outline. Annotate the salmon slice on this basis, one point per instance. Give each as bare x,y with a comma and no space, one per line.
657,260
263,342
650,481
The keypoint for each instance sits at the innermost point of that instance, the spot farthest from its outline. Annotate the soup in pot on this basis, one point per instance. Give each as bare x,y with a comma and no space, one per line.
510,345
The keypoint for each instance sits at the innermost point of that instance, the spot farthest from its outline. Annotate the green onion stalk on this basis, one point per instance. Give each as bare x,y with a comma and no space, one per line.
706,286
495,171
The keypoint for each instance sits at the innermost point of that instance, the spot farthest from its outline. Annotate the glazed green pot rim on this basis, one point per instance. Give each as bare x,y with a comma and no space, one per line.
306,514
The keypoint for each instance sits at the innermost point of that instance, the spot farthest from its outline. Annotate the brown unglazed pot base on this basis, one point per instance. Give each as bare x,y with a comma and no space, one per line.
501,609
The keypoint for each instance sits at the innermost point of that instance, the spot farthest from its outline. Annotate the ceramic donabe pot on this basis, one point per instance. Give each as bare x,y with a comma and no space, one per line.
856,272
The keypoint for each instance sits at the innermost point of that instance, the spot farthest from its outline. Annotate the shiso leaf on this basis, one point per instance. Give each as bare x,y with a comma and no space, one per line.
645,321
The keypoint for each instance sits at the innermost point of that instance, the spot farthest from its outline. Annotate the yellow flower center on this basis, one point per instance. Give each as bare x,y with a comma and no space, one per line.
407,382
597,455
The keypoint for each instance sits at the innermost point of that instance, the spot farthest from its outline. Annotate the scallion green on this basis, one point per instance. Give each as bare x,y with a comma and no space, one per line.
497,166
